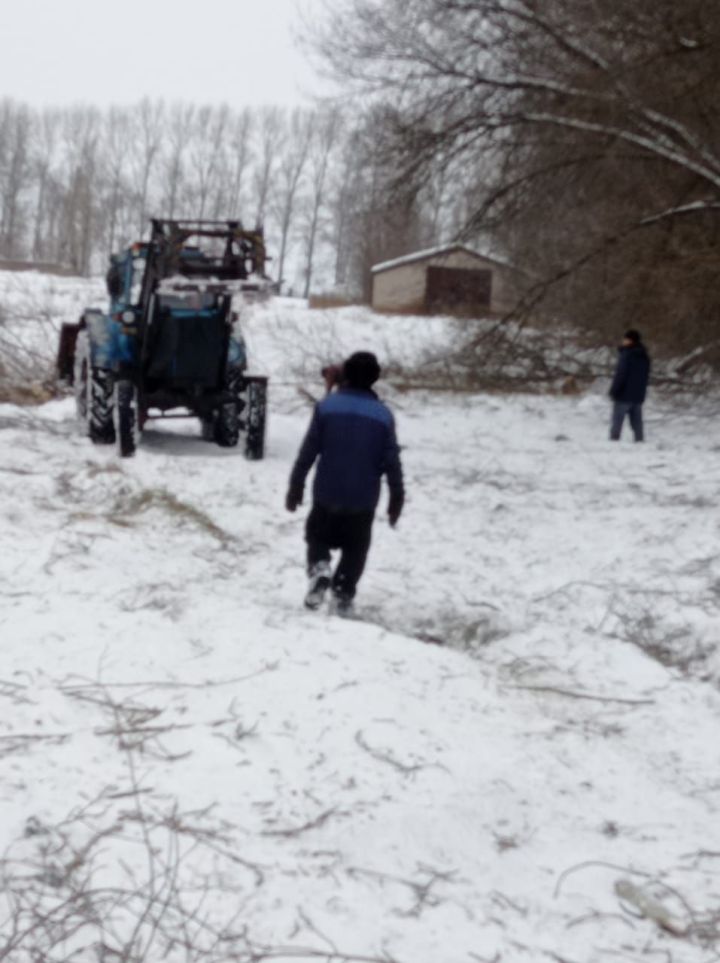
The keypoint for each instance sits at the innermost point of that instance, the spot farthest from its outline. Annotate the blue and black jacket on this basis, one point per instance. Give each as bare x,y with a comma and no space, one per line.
353,434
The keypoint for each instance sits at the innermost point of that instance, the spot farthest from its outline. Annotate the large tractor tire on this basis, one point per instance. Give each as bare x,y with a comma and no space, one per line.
255,418
226,422
93,395
81,378
100,407
126,417
227,425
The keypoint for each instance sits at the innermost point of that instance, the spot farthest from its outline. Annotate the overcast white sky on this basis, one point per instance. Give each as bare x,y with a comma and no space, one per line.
104,52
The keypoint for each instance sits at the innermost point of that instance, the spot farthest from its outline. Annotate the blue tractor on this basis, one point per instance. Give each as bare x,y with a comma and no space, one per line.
171,338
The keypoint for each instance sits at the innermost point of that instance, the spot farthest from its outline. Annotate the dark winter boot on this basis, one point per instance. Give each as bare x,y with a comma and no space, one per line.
341,604
319,584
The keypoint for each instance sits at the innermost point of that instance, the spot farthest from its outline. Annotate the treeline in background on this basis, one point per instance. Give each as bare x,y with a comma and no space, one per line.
77,184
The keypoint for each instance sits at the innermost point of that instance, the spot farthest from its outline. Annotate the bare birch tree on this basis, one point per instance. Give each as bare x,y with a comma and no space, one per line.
178,135
115,142
147,119
269,133
76,237
206,155
326,132
45,138
240,146
292,160
16,133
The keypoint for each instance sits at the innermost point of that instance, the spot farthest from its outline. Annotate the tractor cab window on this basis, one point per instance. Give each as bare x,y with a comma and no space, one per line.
189,301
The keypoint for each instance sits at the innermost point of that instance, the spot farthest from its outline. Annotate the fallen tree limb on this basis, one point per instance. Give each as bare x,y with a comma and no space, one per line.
572,694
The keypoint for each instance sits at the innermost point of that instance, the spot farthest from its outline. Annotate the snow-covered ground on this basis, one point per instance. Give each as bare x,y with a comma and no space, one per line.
512,754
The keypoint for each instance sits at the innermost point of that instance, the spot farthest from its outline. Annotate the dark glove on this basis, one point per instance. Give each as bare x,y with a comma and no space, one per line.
293,498
395,507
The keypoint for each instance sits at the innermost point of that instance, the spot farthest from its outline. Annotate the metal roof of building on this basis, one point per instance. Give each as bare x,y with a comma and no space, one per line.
434,252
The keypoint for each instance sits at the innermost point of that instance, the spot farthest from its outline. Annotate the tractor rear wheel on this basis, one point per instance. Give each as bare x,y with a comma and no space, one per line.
227,425
226,422
255,418
126,408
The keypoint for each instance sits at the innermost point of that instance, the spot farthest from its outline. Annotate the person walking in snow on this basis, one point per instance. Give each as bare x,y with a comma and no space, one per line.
352,435
629,385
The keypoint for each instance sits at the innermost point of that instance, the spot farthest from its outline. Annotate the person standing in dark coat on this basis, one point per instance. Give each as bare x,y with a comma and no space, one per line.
352,435
629,385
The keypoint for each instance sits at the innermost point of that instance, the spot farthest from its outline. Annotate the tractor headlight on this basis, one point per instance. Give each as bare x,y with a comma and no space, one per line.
128,318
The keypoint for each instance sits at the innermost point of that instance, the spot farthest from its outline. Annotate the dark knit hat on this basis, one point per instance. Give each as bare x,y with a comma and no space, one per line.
361,370
633,335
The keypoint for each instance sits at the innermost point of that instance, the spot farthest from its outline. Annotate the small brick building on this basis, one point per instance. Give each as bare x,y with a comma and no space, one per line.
450,279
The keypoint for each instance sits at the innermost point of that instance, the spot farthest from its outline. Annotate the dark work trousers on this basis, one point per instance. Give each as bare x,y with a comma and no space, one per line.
634,413
351,533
